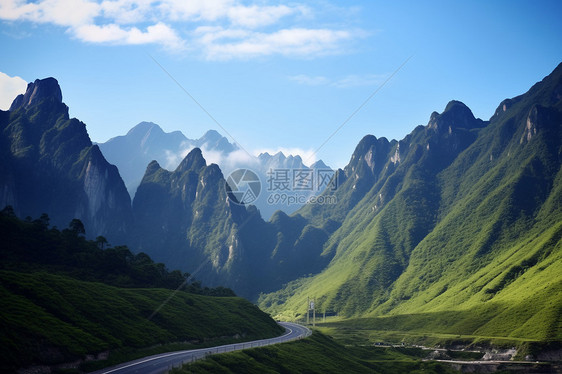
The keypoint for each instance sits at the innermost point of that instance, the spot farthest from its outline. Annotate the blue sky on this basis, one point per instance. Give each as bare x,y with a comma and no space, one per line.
277,75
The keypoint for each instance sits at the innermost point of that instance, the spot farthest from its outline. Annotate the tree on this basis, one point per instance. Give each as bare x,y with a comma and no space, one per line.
77,227
43,221
8,211
101,242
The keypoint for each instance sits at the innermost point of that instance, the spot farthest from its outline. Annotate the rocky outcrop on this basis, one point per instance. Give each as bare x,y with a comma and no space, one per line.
36,92
52,167
455,115
184,217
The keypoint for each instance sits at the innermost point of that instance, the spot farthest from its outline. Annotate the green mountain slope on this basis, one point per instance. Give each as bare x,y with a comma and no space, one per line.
50,319
462,215
63,298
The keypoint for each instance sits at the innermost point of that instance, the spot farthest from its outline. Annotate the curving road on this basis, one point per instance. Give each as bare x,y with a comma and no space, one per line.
163,362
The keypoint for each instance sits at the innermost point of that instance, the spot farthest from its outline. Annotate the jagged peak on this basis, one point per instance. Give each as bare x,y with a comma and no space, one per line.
368,155
214,139
279,155
212,135
433,116
143,127
193,161
456,105
367,143
278,217
266,157
319,165
455,115
212,171
38,91
296,158
152,167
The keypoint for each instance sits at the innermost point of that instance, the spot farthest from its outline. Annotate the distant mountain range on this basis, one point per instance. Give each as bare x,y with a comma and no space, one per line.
147,142
459,224
182,217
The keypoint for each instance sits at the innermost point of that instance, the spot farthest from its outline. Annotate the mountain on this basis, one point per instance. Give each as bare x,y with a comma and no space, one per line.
188,218
214,141
458,225
287,184
184,218
147,142
143,143
49,165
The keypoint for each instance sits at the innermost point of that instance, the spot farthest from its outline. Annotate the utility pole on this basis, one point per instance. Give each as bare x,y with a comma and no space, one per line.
312,305
307,310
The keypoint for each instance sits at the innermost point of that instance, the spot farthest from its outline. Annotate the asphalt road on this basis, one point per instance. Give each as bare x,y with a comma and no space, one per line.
163,362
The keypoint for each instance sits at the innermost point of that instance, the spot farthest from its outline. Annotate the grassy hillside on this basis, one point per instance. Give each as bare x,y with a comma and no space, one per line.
64,297
318,354
50,318
462,231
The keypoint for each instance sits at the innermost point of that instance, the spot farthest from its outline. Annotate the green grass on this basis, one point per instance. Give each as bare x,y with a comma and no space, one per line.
318,354
48,319
462,237
411,329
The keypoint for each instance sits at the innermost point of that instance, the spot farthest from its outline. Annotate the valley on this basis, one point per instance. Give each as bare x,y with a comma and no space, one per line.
451,236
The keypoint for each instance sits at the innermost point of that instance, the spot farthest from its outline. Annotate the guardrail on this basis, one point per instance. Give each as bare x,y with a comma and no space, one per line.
205,352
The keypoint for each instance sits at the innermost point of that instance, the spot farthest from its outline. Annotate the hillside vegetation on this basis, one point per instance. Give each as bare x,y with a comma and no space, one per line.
458,225
60,300
318,354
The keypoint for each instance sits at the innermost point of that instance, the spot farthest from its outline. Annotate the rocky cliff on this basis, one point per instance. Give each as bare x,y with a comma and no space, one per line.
49,165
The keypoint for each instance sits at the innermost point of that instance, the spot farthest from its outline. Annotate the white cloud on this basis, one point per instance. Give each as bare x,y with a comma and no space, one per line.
286,42
208,35
256,16
359,80
173,159
345,82
309,80
227,162
220,29
195,10
58,12
115,34
234,12
10,87
239,158
128,11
